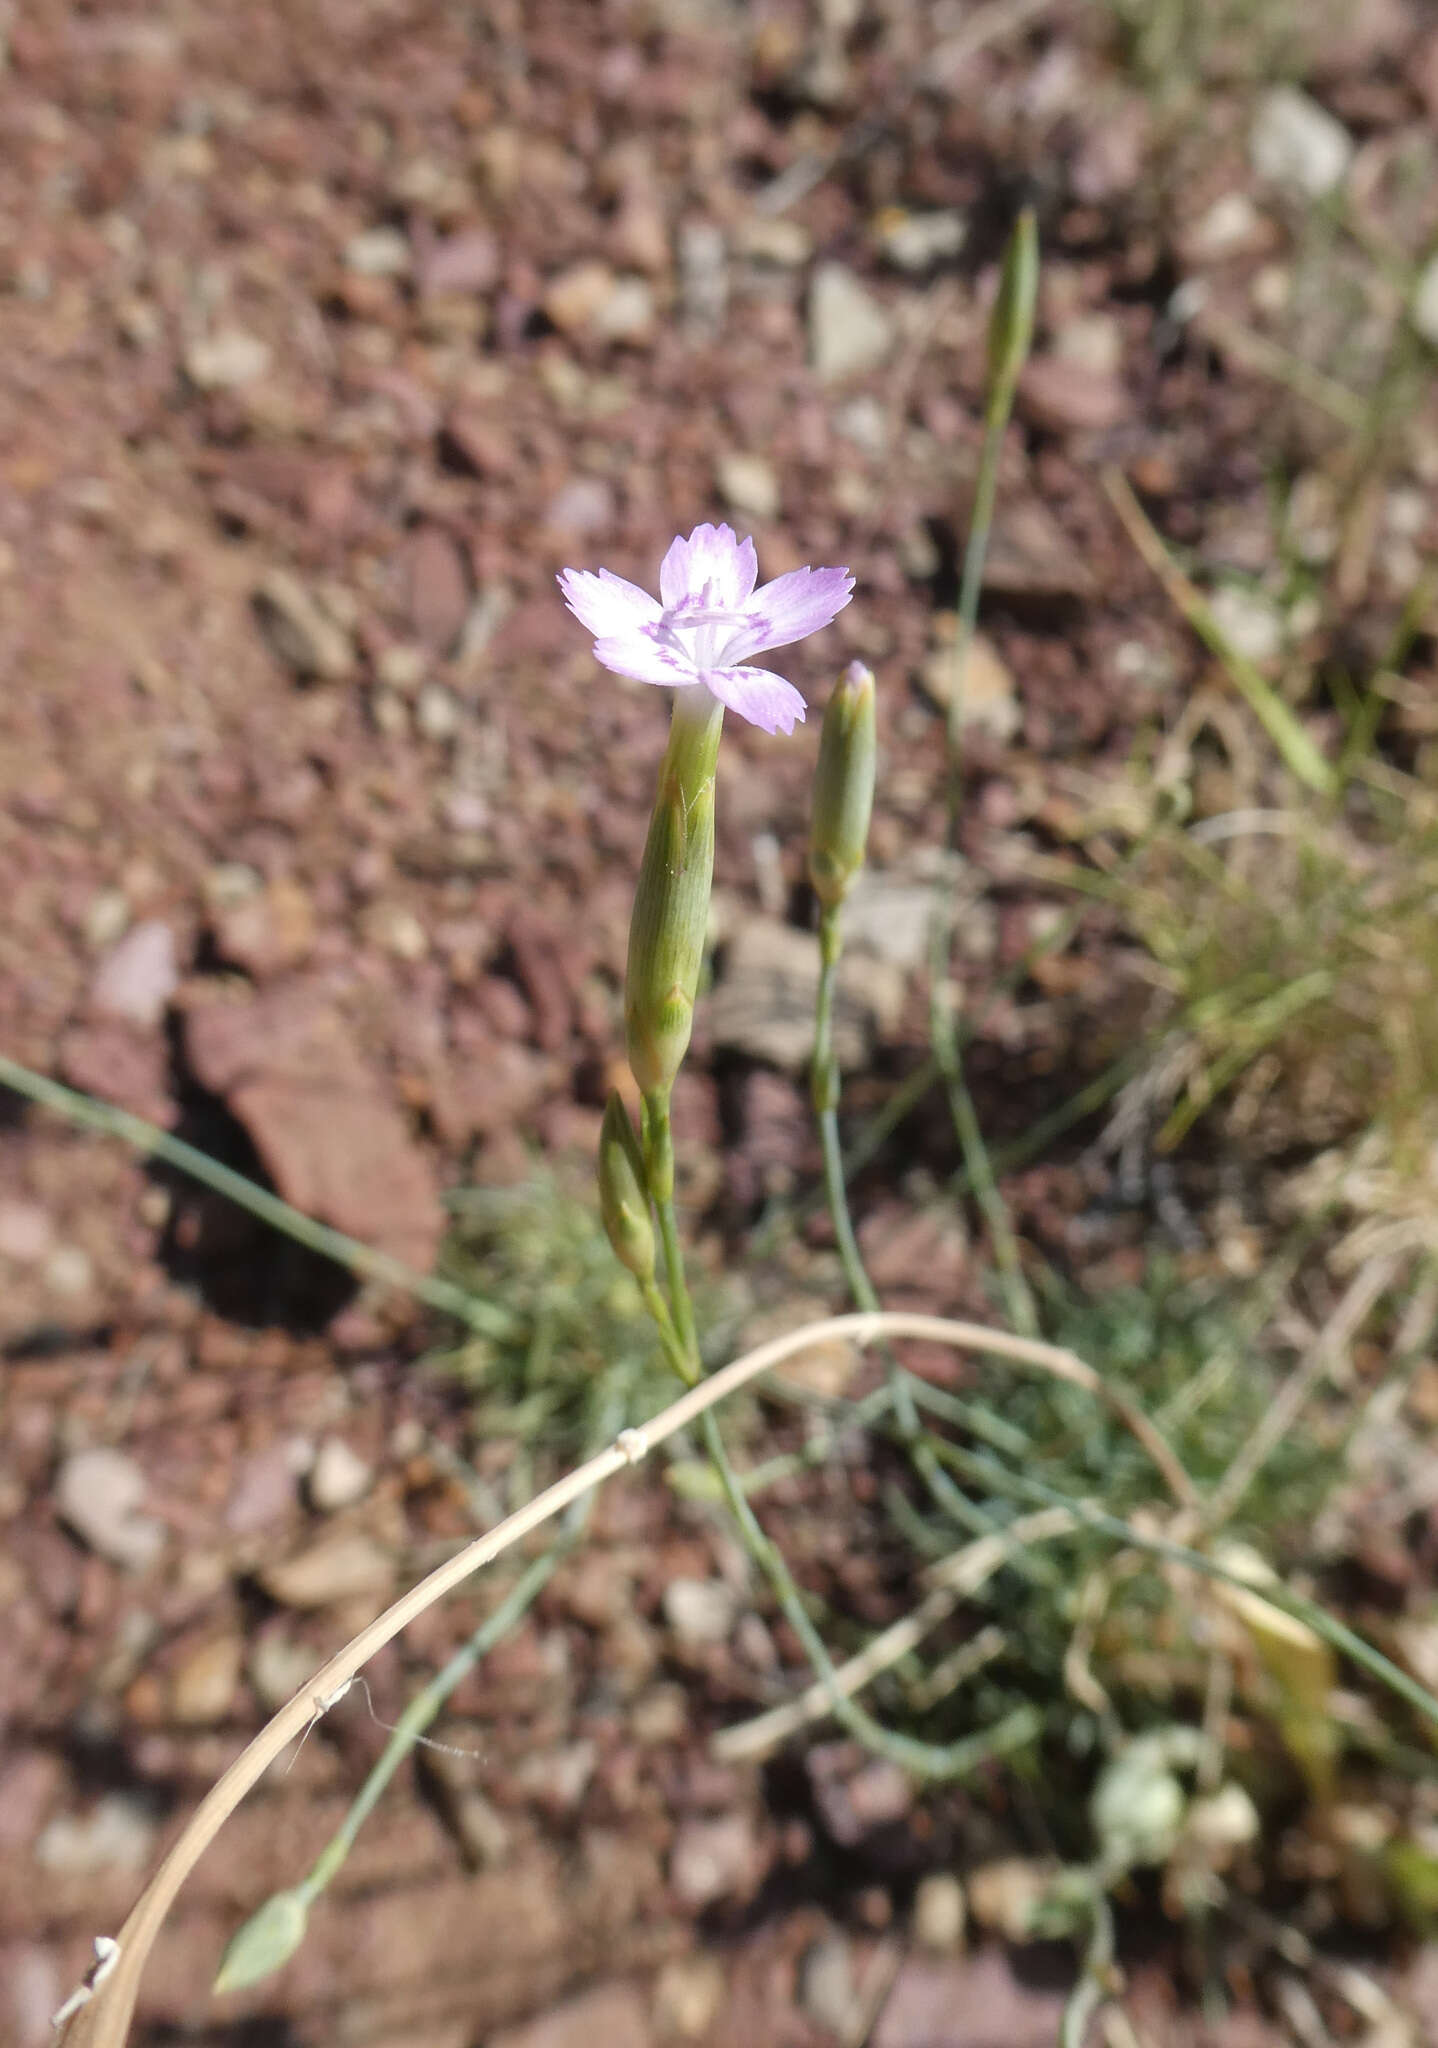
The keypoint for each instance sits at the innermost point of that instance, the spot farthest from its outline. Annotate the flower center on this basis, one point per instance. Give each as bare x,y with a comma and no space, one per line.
698,629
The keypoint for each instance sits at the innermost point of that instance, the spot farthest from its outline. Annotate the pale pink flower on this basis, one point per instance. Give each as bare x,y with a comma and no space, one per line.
708,621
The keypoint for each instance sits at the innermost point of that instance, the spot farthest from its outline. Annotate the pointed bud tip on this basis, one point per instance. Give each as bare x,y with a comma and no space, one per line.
1011,329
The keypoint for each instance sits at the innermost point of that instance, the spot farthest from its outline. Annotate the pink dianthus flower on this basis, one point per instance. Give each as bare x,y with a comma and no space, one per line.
708,622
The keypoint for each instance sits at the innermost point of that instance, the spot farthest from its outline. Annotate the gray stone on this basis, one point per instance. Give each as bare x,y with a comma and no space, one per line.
699,1611
826,1984
891,916
939,1913
98,1493
138,976
749,485
557,1779
966,2003
849,331
116,1835
1251,623
628,311
703,274
301,632
988,692
917,241
714,1859
688,1997
378,252
338,1477
1297,144
27,1234
609,2016
226,361
1229,226
438,713
785,244
344,1566
764,1005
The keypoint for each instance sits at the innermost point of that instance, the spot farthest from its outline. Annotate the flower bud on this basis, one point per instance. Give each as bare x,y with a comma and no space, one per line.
266,1941
671,903
623,1200
843,786
1011,326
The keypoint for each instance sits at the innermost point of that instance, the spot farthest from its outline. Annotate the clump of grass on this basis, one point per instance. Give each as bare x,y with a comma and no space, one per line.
1178,48
1189,1355
580,1341
1296,956
580,1350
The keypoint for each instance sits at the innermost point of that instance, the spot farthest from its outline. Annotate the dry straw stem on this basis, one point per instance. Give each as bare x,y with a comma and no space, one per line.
104,2021
1257,353
1278,721
952,1580
1370,1284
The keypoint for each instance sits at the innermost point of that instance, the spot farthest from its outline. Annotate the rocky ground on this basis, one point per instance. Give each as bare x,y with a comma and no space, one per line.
331,331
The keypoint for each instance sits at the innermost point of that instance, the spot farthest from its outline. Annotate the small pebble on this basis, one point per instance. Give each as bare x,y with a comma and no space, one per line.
338,1477
117,1835
939,1913
699,1611
826,1984
98,1493
1296,143
26,1233
226,361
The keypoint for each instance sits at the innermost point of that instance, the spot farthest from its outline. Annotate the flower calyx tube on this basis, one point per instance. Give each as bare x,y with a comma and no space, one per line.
671,903
843,787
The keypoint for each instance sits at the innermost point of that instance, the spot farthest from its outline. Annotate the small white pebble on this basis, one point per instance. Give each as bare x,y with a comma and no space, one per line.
338,1477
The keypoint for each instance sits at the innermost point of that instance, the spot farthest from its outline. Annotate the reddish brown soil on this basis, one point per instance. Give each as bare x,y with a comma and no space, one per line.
390,898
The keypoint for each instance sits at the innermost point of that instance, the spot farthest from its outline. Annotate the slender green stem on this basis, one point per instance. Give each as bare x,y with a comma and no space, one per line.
1018,1300
658,1308
905,1391
422,1710
926,1760
678,1286
943,1034
1289,735
1095,1978
981,520
826,1087
659,1163
151,1142
1334,1633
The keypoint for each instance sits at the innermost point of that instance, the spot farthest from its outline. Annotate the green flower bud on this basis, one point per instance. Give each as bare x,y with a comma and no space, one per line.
1011,327
623,1200
671,903
843,786
265,1943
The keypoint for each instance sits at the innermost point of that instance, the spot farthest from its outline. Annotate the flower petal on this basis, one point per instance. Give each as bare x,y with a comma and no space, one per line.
715,558
606,603
788,609
765,700
645,659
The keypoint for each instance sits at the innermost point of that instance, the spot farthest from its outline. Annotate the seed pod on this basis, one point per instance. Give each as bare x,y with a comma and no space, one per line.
843,786
1011,326
623,1200
671,902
